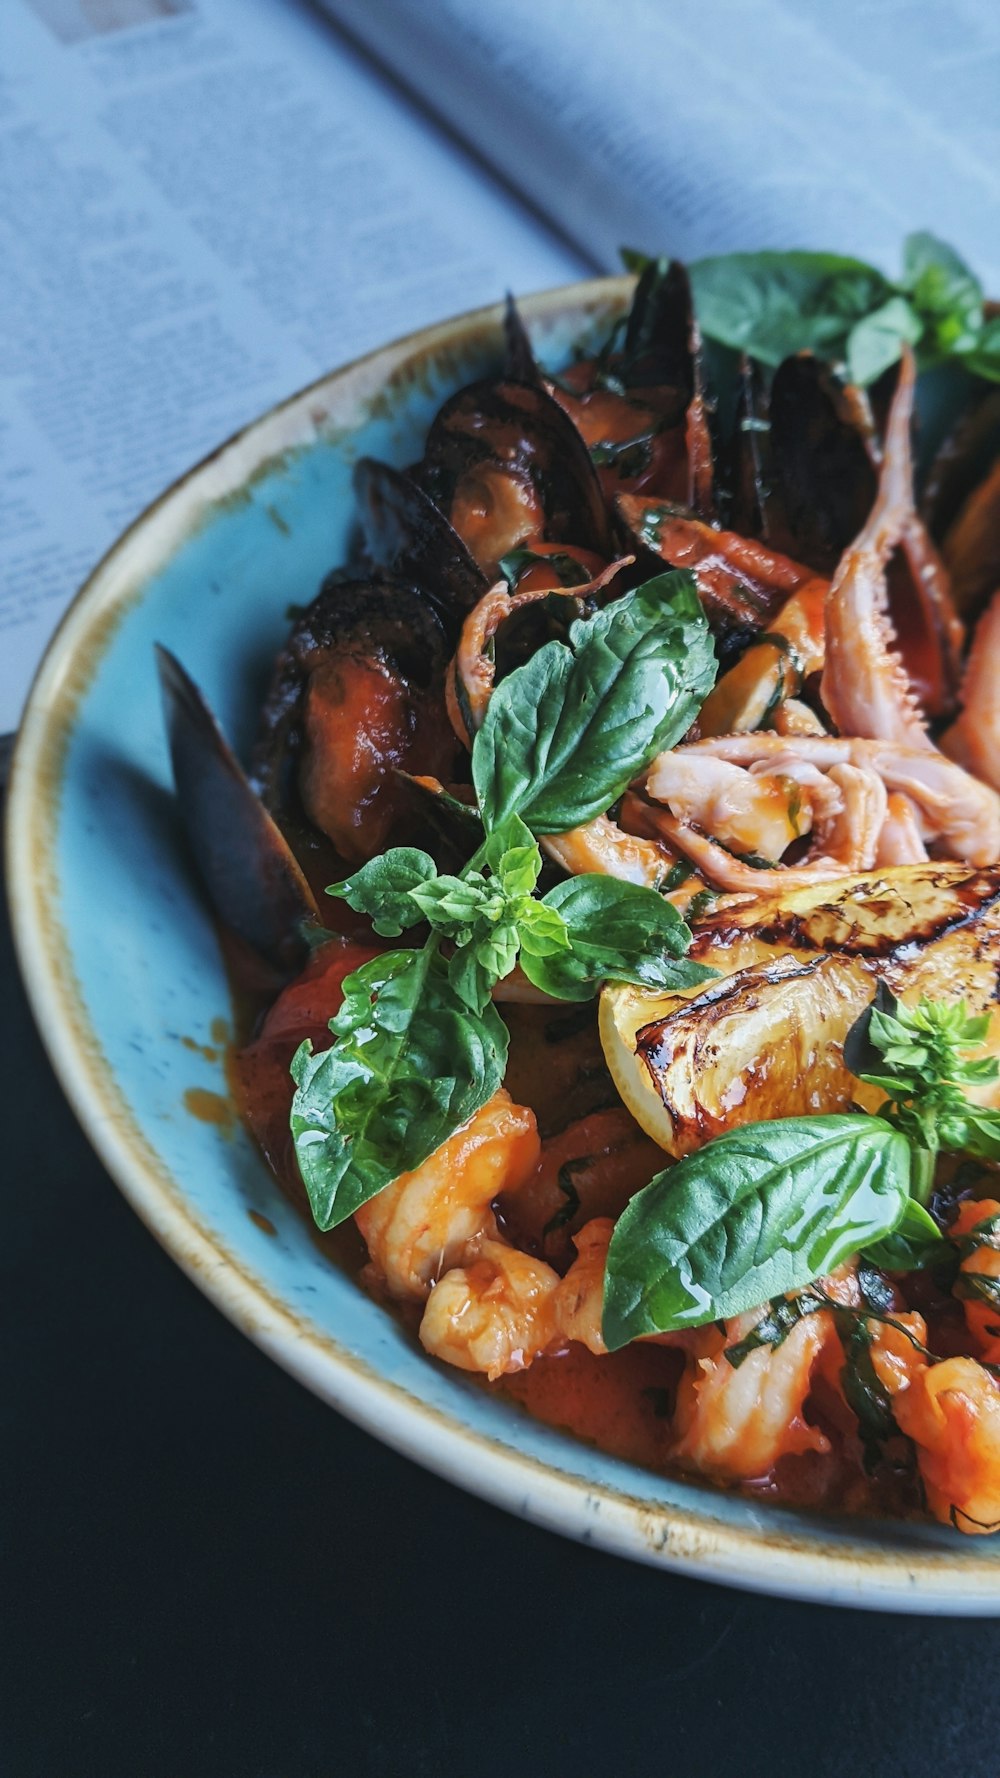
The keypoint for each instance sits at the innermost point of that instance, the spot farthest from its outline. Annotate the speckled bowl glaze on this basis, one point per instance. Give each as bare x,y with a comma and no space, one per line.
124,974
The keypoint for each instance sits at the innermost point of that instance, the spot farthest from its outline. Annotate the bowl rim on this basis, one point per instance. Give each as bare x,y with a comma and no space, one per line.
805,1563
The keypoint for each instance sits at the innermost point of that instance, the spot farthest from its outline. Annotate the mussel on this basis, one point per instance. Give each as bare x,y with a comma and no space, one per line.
408,537
505,465
357,694
641,405
253,878
824,463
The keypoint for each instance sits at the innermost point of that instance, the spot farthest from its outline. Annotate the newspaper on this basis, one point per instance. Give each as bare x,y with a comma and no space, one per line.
204,204
701,126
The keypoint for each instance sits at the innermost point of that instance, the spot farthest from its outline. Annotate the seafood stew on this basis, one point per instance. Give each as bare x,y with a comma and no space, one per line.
659,948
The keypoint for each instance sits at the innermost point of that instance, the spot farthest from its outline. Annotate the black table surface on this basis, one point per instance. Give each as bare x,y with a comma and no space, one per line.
208,1572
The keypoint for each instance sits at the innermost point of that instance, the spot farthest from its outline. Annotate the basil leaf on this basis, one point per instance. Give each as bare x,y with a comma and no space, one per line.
617,932
944,292
877,341
565,734
984,357
383,889
773,304
410,1063
754,1214
915,1243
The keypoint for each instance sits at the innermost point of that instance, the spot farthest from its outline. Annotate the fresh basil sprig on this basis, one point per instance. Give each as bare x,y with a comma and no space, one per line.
565,734
790,1199
410,1064
418,1047
918,1056
586,931
772,304
615,932
757,1212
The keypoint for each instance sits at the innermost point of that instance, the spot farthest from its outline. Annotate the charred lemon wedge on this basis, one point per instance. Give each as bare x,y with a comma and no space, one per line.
766,1038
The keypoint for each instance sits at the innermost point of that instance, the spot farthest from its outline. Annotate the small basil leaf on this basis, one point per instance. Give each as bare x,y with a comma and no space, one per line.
915,1243
383,889
410,1063
984,356
756,1213
564,735
772,304
616,932
877,341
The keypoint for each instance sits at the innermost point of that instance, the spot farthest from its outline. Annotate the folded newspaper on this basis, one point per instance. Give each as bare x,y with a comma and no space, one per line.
206,203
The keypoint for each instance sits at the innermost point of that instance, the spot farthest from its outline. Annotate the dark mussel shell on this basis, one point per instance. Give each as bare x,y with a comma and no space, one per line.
824,474
519,363
253,879
408,537
641,404
971,548
505,464
357,696
749,471
962,461
823,477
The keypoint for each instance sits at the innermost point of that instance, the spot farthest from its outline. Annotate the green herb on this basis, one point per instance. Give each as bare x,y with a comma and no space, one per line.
383,889
774,1327
756,1213
627,456
409,1065
866,1394
615,931
773,304
565,734
921,1061
419,1047
914,1244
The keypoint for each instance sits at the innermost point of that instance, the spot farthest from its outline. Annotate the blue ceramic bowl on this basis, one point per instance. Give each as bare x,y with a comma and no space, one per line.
122,967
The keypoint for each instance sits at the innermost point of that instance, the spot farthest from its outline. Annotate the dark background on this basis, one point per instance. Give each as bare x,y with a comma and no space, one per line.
206,1573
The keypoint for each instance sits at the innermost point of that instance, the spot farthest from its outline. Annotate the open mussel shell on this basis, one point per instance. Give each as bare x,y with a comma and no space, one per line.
504,463
519,362
407,536
357,692
823,478
748,469
962,461
971,548
252,877
661,339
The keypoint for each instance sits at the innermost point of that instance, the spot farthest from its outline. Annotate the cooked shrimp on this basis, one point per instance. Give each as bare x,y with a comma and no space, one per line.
736,1423
978,1283
499,1312
865,687
951,1411
425,1221
974,740
493,1315
579,1300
